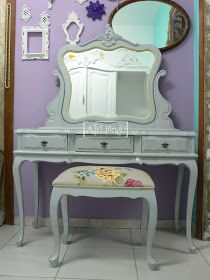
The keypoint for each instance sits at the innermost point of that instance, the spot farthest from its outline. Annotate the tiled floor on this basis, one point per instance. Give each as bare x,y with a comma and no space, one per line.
101,254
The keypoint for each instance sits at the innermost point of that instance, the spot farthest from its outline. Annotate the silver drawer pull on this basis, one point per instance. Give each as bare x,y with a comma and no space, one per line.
104,144
165,145
44,143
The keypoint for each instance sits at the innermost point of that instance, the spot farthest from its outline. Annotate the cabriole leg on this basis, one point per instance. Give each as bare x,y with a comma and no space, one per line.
64,208
144,222
193,168
54,202
36,195
18,186
178,194
151,229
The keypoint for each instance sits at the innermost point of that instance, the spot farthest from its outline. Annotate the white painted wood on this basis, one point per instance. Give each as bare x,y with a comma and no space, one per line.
64,208
78,104
108,144
61,140
59,192
54,202
144,222
101,93
160,144
151,199
178,195
36,195
193,168
45,142
17,176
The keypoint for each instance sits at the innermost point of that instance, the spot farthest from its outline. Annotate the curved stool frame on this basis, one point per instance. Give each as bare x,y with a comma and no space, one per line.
149,215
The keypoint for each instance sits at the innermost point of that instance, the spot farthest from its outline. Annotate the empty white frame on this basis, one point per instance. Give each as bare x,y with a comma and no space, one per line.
73,19
26,54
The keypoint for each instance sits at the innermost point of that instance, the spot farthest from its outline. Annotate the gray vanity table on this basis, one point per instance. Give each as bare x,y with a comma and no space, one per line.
109,110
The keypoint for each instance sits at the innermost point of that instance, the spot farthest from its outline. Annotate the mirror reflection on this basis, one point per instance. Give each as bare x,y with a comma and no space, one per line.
150,22
109,83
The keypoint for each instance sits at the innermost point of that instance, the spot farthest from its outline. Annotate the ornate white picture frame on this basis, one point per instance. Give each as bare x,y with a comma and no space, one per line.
44,19
26,54
73,18
25,13
50,4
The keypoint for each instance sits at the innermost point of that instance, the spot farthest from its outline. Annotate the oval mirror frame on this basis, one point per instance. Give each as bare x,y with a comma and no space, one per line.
169,2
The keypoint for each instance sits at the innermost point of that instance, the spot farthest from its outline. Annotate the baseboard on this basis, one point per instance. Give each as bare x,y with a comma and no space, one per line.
102,223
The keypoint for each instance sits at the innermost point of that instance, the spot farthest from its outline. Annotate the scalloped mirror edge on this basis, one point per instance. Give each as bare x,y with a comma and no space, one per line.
169,2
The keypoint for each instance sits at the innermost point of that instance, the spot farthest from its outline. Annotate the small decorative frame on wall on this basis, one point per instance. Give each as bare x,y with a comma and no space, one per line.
44,19
73,18
26,31
80,1
50,4
25,14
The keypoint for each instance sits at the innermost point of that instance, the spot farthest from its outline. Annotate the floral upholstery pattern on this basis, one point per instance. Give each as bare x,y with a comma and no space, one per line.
104,177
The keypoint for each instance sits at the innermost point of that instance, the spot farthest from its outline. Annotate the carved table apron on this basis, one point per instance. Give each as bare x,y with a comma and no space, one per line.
172,147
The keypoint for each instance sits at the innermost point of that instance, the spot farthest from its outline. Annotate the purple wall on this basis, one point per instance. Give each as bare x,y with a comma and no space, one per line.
35,87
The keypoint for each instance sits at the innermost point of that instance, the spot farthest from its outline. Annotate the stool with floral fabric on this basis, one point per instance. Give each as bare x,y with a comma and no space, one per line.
104,182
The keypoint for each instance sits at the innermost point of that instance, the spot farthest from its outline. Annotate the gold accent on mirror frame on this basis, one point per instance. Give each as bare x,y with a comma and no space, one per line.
182,24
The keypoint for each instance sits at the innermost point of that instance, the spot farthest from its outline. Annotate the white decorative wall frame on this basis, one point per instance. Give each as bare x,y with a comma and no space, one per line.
44,19
73,18
26,54
80,1
50,4
25,13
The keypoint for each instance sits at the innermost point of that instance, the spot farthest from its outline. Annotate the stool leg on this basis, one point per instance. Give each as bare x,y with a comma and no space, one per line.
64,208
178,194
144,222
54,202
151,229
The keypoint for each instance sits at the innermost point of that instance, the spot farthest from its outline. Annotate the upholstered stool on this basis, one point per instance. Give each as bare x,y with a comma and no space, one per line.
104,182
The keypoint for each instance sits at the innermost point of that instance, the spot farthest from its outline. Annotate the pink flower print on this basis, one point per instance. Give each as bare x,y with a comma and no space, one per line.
133,183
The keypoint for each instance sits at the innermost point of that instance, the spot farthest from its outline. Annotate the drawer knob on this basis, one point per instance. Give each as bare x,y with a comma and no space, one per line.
104,144
44,143
165,145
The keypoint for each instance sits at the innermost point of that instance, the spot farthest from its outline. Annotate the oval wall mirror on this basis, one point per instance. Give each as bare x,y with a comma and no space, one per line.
162,23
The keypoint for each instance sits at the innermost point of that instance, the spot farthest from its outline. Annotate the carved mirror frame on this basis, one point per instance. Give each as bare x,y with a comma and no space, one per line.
111,43
170,2
160,109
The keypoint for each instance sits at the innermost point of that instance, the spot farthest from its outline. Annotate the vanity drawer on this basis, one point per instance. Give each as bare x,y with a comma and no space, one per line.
44,142
104,144
154,144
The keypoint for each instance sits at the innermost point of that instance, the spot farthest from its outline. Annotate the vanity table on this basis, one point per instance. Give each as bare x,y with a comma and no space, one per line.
108,111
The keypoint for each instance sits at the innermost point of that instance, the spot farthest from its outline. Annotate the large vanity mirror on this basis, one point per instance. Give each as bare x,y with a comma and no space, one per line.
109,83
109,80
162,23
